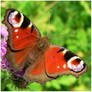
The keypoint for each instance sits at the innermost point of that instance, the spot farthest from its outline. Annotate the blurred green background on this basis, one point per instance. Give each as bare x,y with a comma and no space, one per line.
67,24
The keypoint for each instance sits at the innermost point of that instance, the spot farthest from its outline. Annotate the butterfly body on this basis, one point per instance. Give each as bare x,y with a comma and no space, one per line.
32,53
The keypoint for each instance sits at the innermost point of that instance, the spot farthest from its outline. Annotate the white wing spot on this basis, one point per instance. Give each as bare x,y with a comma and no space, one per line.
58,66
30,24
64,66
17,37
65,50
15,12
16,30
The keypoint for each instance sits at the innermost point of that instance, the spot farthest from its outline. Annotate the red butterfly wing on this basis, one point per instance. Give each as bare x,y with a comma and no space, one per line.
37,72
22,33
24,38
17,59
56,61
60,61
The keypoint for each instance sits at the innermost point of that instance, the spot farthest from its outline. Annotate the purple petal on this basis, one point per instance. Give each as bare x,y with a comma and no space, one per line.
3,51
3,31
5,64
20,73
11,70
3,43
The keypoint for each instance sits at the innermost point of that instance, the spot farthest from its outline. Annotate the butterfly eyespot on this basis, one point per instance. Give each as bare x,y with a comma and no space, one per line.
77,68
15,19
76,64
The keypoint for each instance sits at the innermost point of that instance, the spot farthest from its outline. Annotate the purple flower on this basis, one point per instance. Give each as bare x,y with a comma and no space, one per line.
3,51
3,31
3,48
4,44
20,73
4,37
4,64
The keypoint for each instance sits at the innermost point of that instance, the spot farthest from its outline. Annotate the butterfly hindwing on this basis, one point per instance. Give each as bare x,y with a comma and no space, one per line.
17,59
37,72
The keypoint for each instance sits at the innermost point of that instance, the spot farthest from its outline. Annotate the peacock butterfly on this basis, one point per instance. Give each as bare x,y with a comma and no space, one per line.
40,60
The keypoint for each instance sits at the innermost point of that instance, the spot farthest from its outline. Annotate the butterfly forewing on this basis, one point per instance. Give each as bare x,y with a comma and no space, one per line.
22,33
60,61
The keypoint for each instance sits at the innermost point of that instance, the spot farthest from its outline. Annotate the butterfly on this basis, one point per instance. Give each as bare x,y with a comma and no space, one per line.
40,60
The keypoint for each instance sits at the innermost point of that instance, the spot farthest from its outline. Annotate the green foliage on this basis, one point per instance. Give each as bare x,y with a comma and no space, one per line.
67,24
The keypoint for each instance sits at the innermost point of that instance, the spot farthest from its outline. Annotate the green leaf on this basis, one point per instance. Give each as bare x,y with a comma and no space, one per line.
67,80
35,86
